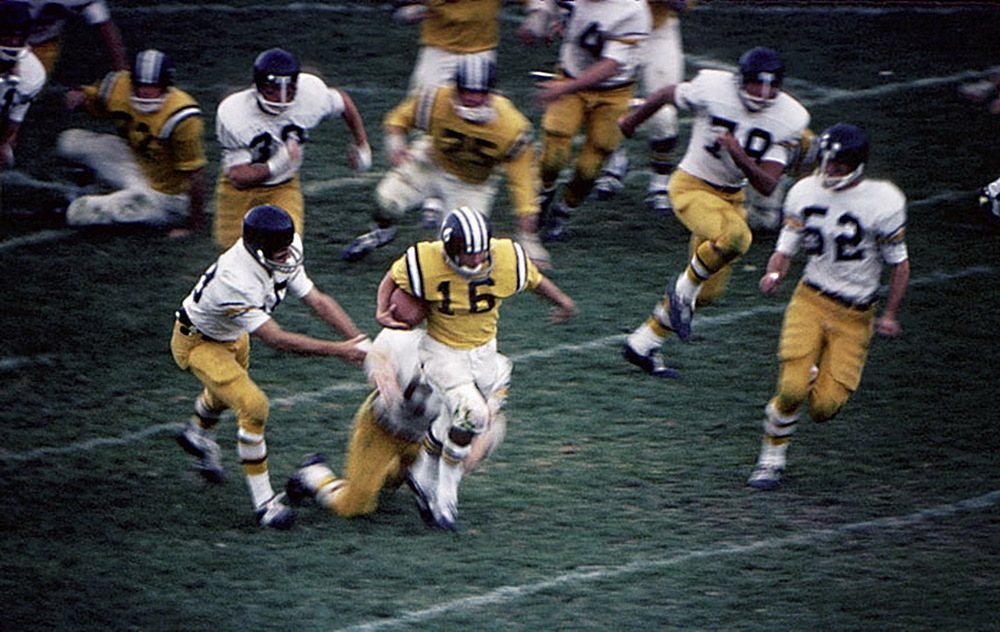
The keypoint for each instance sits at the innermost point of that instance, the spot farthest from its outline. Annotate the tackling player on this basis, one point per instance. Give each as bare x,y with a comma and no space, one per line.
745,131
464,278
471,132
850,227
262,130
22,76
233,300
598,63
49,18
157,159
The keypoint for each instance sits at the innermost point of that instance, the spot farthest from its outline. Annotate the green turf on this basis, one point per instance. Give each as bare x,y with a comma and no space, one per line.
618,501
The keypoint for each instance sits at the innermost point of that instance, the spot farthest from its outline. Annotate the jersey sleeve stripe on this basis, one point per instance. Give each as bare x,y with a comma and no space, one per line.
425,108
175,119
522,266
413,271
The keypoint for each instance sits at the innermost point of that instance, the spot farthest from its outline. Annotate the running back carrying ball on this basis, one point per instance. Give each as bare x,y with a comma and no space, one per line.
407,308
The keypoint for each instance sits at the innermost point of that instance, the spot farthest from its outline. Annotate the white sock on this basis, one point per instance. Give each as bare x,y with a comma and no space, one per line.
643,340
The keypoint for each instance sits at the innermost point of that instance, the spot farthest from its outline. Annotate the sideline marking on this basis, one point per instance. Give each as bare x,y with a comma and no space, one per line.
506,594
351,387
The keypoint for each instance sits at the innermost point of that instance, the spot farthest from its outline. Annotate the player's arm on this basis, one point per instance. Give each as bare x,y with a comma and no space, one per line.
286,159
271,334
899,278
360,155
383,309
565,307
649,107
8,142
113,43
196,194
763,176
331,313
603,69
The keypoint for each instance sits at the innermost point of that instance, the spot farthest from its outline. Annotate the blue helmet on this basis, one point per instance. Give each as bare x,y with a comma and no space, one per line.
465,231
152,68
268,230
15,25
760,65
846,144
475,74
279,68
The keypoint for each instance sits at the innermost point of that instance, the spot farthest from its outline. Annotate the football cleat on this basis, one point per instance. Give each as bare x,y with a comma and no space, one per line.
679,313
200,444
423,498
977,91
557,223
432,212
651,363
296,489
659,203
275,514
989,198
765,476
368,242
607,187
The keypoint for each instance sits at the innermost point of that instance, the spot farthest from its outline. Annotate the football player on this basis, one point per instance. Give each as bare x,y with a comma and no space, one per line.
663,53
471,132
850,227
385,437
157,159
22,76
262,130
745,131
50,18
464,277
233,300
599,61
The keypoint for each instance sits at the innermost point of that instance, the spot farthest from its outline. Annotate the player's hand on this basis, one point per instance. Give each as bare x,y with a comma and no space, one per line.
549,92
626,125
74,98
769,283
354,350
359,157
563,314
294,152
6,156
387,318
887,327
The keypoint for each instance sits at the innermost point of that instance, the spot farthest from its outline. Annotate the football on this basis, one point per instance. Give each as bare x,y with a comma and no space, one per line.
407,308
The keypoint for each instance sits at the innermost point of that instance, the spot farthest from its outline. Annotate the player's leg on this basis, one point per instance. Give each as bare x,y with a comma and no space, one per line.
664,66
843,359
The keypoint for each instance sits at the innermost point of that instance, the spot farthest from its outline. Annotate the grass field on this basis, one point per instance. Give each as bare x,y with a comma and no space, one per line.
618,501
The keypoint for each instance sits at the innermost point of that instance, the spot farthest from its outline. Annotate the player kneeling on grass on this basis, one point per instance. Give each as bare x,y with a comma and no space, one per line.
233,300
850,227
463,277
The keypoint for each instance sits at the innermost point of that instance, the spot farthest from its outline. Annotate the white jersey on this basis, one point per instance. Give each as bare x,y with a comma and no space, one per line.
608,28
247,134
848,234
236,295
771,134
19,86
50,16
397,350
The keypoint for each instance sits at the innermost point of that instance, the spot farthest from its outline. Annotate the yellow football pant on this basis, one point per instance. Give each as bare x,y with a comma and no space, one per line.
822,332
718,224
231,204
48,54
597,111
222,368
376,460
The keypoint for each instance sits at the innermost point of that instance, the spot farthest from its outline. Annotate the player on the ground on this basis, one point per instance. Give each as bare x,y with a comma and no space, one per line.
850,227
22,76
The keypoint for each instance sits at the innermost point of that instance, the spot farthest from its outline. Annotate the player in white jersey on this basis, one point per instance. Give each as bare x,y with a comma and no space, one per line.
745,131
663,65
262,129
233,300
49,18
599,60
22,76
849,227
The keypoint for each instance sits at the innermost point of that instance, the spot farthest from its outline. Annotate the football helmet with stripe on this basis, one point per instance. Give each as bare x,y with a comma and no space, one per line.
466,235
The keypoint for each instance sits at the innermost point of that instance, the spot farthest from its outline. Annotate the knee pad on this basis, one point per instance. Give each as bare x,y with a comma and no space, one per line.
735,241
826,400
556,152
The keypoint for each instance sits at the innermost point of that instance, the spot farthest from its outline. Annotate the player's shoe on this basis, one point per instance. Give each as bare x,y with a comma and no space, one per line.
765,476
431,213
368,242
679,313
651,363
557,222
977,91
296,489
275,514
606,187
200,444
423,497
989,198
659,202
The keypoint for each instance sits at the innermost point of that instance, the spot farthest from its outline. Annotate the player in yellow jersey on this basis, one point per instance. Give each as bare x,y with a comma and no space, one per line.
473,133
156,162
464,278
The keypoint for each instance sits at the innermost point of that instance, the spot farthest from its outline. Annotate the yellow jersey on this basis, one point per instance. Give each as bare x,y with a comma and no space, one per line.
462,26
167,143
471,151
464,310
661,11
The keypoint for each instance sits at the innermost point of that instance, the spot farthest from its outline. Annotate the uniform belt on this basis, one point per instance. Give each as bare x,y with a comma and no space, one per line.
722,189
620,84
861,306
187,329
